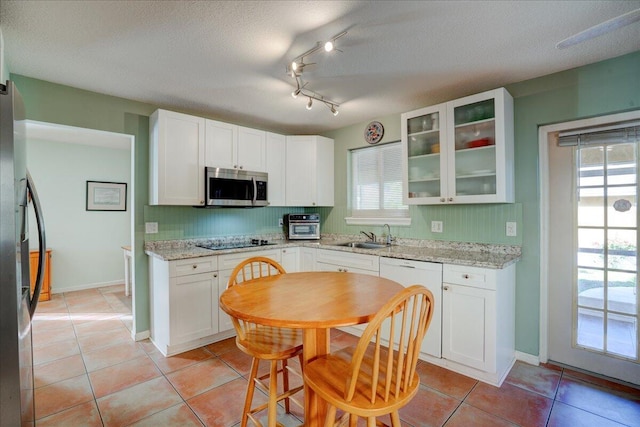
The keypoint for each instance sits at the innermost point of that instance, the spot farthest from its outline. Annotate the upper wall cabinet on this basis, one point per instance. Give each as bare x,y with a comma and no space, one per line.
275,166
460,151
234,147
309,168
176,159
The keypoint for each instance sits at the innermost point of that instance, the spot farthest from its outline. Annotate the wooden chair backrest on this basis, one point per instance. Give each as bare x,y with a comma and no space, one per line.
251,269
254,268
405,319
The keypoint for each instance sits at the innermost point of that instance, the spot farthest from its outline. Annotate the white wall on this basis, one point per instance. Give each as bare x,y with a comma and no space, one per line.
86,245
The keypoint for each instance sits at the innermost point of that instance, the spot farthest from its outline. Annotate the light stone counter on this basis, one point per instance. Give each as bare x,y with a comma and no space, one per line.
472,254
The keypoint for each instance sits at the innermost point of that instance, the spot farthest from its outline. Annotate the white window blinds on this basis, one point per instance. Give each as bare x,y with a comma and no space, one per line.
376,182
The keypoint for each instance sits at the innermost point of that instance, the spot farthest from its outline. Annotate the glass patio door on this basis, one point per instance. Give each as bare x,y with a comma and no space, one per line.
594,321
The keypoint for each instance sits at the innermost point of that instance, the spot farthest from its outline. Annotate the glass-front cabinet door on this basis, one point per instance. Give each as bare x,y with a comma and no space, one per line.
460,151
480,161
425,159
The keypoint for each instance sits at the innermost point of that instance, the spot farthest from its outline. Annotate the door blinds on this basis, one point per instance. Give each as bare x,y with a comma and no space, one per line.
610,134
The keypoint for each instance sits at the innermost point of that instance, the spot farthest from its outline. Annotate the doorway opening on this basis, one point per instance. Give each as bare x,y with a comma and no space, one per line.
86,245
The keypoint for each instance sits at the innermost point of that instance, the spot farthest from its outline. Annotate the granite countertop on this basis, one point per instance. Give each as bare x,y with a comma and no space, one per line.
472,254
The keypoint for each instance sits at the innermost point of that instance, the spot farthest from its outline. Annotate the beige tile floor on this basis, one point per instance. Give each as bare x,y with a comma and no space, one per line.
88,372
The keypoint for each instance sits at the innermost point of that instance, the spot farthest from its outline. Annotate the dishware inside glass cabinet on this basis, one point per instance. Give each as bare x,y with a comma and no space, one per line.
425,123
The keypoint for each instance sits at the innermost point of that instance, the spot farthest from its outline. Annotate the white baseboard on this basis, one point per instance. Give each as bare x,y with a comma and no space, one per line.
81,287
527,358
140,335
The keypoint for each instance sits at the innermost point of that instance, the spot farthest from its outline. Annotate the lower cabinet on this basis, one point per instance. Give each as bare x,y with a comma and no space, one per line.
329,260
428,274
308,259
472,330
227,263
290,259
478,321
184,303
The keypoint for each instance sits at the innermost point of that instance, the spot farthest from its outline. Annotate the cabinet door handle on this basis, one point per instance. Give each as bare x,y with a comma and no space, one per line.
194,266
446,288
215,275
465,276
442,199
235,166
451,199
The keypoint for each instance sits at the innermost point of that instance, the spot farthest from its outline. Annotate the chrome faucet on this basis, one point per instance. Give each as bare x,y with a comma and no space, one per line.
389,236
370,235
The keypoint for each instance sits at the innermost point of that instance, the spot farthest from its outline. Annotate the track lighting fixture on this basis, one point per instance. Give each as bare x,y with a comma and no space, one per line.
296,67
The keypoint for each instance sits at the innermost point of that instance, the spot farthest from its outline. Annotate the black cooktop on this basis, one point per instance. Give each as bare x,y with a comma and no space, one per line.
235,245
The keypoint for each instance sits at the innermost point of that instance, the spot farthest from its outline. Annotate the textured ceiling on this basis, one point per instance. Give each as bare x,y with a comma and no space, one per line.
227,59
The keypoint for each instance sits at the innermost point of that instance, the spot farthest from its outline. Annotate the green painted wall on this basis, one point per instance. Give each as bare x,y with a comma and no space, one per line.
606,87
603,88
598,89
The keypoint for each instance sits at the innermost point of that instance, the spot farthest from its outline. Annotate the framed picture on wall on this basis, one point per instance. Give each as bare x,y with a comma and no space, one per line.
106,196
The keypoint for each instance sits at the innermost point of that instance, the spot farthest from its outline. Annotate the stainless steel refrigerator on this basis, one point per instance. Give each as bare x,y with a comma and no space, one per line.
17,301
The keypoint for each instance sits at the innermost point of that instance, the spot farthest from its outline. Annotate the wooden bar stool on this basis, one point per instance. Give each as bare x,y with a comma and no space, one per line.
265,343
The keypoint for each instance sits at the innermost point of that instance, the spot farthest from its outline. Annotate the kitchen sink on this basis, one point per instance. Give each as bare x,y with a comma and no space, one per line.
363,245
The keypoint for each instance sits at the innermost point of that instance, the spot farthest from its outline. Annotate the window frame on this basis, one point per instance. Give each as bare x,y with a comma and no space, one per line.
400,217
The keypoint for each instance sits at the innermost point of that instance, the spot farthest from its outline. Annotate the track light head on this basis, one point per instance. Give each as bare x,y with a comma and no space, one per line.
328,46
310,104
334,111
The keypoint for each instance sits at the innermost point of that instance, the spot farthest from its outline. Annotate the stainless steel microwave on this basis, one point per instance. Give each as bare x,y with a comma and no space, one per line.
235,188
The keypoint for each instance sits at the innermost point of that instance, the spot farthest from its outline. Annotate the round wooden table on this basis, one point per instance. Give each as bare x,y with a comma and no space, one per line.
313,302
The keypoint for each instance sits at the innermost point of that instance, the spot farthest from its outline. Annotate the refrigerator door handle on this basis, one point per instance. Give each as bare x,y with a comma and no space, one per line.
41,242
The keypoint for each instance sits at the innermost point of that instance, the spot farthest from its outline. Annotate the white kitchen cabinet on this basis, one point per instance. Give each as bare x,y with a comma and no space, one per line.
428,274
478,321
226,264
330,260
275,167
290,259
176,159
460,151
234,147
308,259
309,171
184,303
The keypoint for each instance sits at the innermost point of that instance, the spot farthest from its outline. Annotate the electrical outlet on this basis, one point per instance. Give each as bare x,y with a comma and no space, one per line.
279,222
436,226
151,227
511,229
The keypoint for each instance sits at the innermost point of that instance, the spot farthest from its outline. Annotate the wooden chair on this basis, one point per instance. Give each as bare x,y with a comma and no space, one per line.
371,380
265,343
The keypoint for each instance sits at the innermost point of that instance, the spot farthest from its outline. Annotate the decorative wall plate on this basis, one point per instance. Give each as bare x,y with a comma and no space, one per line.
373,132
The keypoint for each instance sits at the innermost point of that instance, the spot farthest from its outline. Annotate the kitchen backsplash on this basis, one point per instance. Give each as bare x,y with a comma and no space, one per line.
185,222
461,223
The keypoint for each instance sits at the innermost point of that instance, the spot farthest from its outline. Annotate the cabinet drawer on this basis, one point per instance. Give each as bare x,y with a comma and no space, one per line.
346,259
483,278
190,266
229,261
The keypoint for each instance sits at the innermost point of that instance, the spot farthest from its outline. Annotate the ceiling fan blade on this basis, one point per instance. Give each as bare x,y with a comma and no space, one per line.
600,29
